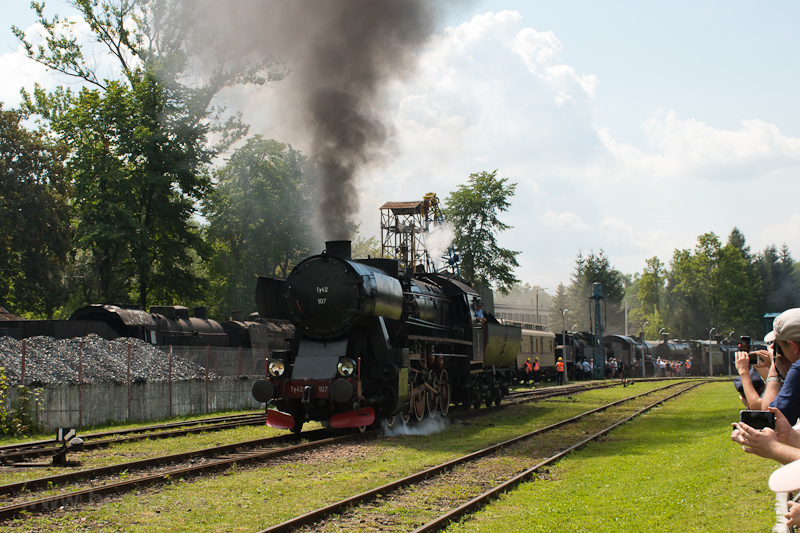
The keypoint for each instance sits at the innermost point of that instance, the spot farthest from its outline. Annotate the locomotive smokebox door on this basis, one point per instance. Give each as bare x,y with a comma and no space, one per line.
323,297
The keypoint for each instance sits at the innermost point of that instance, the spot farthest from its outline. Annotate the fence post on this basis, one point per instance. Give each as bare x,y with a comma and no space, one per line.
22,363
170,380
129,381
208,355
80,383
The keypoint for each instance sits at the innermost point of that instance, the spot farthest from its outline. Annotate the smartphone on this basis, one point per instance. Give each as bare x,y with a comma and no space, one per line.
744,346
757,419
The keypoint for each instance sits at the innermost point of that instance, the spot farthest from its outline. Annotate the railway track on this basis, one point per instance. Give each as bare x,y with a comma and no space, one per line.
98,482
17,454
94,485
356,510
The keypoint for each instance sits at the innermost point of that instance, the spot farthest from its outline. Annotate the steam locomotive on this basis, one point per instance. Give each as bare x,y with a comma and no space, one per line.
373,342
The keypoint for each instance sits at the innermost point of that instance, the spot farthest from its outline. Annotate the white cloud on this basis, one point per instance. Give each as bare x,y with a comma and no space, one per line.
563,221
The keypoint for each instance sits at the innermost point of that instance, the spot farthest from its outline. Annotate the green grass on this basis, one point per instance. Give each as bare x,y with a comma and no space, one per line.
674,463
673,470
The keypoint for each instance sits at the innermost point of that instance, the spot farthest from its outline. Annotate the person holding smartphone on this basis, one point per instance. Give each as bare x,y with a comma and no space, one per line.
783,377
751,381
782,396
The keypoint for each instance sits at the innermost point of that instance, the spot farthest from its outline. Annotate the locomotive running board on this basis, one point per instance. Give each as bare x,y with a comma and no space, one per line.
279,419
354,419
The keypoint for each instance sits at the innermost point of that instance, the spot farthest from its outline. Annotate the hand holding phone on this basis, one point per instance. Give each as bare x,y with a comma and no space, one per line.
757,419
744,346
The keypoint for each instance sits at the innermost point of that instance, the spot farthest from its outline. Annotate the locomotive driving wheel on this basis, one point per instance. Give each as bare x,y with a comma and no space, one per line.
405,414
444,393
419,398
433,397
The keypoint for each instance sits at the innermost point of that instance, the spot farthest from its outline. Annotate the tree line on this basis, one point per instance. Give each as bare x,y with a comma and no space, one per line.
714,285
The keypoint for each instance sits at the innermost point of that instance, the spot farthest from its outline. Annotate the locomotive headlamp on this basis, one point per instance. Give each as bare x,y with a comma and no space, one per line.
276,368
346,367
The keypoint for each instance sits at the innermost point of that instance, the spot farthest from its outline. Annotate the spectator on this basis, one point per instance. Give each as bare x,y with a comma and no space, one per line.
752,397
783,443
783,376
750,382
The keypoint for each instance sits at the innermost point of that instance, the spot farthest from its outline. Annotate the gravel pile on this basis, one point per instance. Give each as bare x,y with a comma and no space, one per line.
49,360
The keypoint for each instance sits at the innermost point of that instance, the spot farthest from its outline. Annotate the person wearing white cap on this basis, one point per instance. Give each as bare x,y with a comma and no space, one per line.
782,444
785,395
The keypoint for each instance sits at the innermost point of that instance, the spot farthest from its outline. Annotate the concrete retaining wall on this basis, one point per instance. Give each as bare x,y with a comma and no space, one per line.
71,406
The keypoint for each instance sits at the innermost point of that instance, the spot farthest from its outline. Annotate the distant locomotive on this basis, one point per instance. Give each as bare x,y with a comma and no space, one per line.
373,343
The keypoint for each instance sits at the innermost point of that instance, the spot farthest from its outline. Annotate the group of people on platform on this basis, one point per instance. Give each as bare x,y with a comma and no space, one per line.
672,369
773,384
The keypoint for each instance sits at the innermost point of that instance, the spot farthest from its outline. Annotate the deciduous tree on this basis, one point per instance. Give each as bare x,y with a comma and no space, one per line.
474,210
259,220
34,217
146,135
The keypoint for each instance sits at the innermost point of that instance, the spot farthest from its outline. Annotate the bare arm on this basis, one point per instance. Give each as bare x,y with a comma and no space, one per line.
773,387
751,396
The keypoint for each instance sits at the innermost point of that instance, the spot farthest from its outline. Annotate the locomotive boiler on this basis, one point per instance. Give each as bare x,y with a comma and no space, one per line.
373,342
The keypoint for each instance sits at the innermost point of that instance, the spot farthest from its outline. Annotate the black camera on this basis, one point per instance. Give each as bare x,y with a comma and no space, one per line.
757,419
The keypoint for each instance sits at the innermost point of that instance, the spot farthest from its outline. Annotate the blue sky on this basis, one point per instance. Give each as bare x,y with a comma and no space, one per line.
631,127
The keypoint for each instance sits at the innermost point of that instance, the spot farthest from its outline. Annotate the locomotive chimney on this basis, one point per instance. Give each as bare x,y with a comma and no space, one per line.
339,249
237,316
201,313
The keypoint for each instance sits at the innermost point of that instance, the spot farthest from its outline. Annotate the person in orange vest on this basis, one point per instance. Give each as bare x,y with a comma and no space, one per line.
537,372
527,371
689,366
560,372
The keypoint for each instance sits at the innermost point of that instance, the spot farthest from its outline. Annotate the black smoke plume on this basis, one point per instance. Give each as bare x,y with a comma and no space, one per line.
341,54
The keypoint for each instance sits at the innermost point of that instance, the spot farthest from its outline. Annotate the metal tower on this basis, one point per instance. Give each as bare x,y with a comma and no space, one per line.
598,350
405,227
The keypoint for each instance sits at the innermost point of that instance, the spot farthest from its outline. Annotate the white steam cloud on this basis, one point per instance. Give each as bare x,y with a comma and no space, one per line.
428,426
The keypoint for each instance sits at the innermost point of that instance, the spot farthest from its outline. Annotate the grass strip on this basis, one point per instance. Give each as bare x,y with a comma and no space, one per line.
671,470
248,499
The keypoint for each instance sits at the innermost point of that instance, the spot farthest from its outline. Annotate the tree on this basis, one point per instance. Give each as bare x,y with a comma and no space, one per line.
651,285
710,287
365,246
473,210
559,303
596,268
34,215
259,220
139,144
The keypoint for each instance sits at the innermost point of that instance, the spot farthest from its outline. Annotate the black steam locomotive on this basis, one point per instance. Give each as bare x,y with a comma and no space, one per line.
373,342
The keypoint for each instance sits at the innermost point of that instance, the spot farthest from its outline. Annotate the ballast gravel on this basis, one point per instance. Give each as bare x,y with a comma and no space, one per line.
94,359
